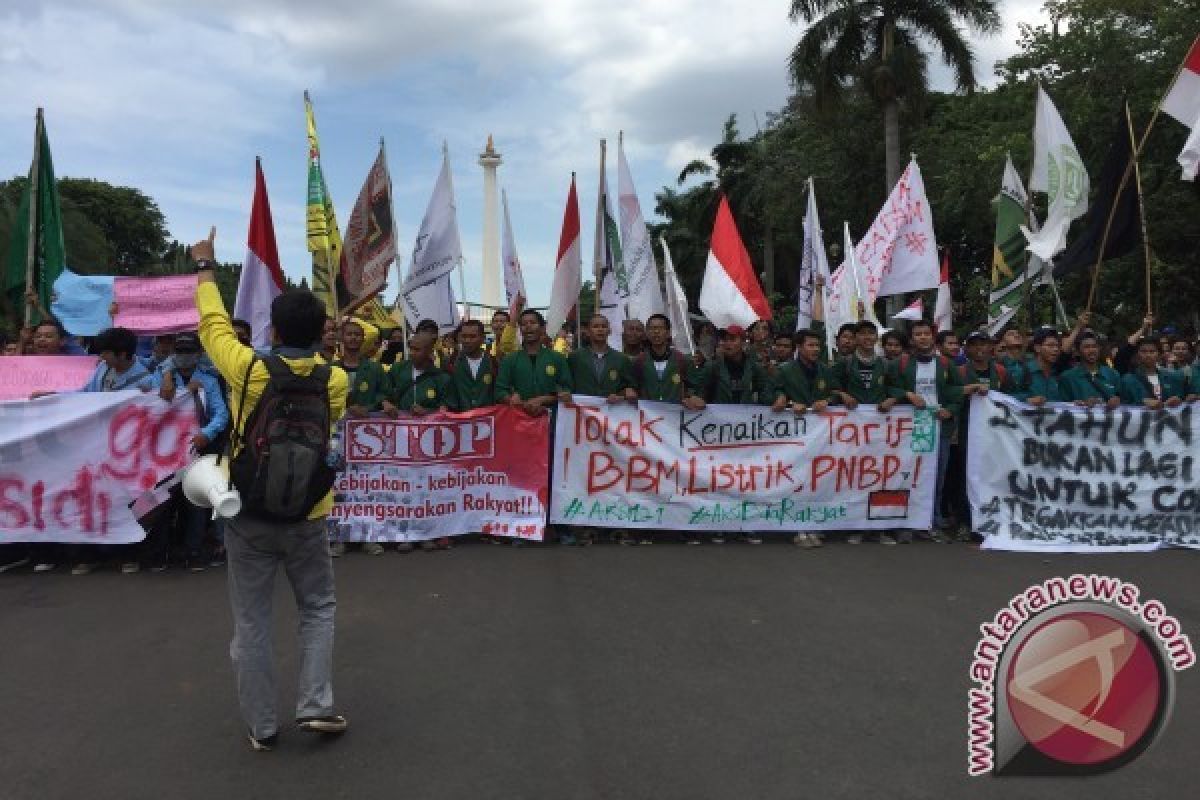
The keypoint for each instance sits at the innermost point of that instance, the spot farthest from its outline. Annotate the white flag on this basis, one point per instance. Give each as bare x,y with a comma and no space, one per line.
813,262
645,294
612,290
1059,172
677,305
844,298
1189,157
514,280
898,254
427,292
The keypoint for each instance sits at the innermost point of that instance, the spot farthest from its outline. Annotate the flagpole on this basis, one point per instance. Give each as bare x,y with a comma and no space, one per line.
1137,176
31,245
1141,143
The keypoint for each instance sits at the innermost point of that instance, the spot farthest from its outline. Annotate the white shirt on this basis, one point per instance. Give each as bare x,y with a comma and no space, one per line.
1155,385
473,365
661,366
926,383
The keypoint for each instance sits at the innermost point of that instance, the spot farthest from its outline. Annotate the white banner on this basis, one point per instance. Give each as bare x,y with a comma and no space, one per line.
71,464
898,254
742,468
1062,478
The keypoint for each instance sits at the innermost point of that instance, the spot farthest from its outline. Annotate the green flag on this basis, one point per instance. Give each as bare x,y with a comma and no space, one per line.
39,217
1012,266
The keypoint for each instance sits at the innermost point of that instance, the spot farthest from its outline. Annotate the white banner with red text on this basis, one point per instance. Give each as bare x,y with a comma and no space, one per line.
416,478
742,468
71,464
1062,478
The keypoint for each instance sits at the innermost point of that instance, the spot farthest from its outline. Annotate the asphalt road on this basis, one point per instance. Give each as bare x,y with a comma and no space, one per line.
608,672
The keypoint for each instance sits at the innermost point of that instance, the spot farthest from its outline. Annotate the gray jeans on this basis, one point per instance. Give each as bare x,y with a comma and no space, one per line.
255,550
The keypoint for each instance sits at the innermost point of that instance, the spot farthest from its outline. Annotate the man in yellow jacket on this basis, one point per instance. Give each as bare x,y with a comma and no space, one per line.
257,547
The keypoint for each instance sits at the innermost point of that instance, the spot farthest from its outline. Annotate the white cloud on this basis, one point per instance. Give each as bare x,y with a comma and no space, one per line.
176,97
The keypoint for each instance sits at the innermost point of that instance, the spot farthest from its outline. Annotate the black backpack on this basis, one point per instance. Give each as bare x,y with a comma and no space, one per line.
282,470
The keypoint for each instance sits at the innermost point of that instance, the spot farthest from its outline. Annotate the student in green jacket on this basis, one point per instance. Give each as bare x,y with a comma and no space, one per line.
862,377
598,370
1147,384
734,376
367,380
927,379
662,373
805,384
1036,382
1091,382
416,385
534,377
473,371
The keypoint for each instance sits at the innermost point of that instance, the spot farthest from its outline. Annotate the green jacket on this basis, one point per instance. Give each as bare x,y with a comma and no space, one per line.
1135,388
794,383
996,377
368,383
615,374
546,373
902,379
715,384
430,390
674,385
1030,381
848,373
1078,384
472,391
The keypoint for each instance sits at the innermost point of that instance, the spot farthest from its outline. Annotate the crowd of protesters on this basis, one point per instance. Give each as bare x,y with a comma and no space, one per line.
517,362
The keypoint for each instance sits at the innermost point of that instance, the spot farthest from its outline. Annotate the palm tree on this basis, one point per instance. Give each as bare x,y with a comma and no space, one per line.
877,43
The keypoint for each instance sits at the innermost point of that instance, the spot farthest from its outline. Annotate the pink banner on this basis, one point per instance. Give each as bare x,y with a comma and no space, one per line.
21,376
150,306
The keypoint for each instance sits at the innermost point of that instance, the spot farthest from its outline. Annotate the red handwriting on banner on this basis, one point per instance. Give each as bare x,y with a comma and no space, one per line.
842,429
593,426
413,441
144,445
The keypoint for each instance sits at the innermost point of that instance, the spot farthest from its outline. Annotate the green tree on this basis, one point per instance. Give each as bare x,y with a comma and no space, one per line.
877,45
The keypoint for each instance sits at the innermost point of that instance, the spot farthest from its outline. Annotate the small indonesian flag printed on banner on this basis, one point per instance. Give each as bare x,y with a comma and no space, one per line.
261,280
731,294
888,505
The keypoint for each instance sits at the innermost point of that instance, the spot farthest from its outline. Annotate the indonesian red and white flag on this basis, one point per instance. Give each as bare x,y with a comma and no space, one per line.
261,280
943,309
730,294
568,270
1183,103
912,312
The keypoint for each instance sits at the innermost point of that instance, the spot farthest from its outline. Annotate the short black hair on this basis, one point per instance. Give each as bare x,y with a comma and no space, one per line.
898,336
427,325
499,312
1146,341
942,336
54,323
474,323
118,341
803,335
921,323
1049,333
241,323
536,314
665,319
866,325
1084,335
782,335
593,315
298,318
849,327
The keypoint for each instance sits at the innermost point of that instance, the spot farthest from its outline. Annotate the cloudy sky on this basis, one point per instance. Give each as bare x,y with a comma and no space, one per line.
177,97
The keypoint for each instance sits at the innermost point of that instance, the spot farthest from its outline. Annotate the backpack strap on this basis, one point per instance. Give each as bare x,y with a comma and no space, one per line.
235,435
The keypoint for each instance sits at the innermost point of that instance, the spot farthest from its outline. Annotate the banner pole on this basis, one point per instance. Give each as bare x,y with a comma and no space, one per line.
35,177
1137,176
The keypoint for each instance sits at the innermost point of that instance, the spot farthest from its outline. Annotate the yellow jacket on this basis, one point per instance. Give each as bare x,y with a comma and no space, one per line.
231,358
507,342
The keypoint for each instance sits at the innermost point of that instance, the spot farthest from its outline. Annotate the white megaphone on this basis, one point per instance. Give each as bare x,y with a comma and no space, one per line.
206,484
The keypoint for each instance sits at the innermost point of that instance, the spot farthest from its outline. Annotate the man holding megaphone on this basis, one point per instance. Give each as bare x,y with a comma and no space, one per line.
284,406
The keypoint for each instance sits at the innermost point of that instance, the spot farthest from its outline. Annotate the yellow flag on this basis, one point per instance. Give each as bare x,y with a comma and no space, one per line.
324,238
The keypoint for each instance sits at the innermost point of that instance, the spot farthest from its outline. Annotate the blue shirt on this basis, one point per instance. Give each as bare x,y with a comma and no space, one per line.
107,379
216,409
